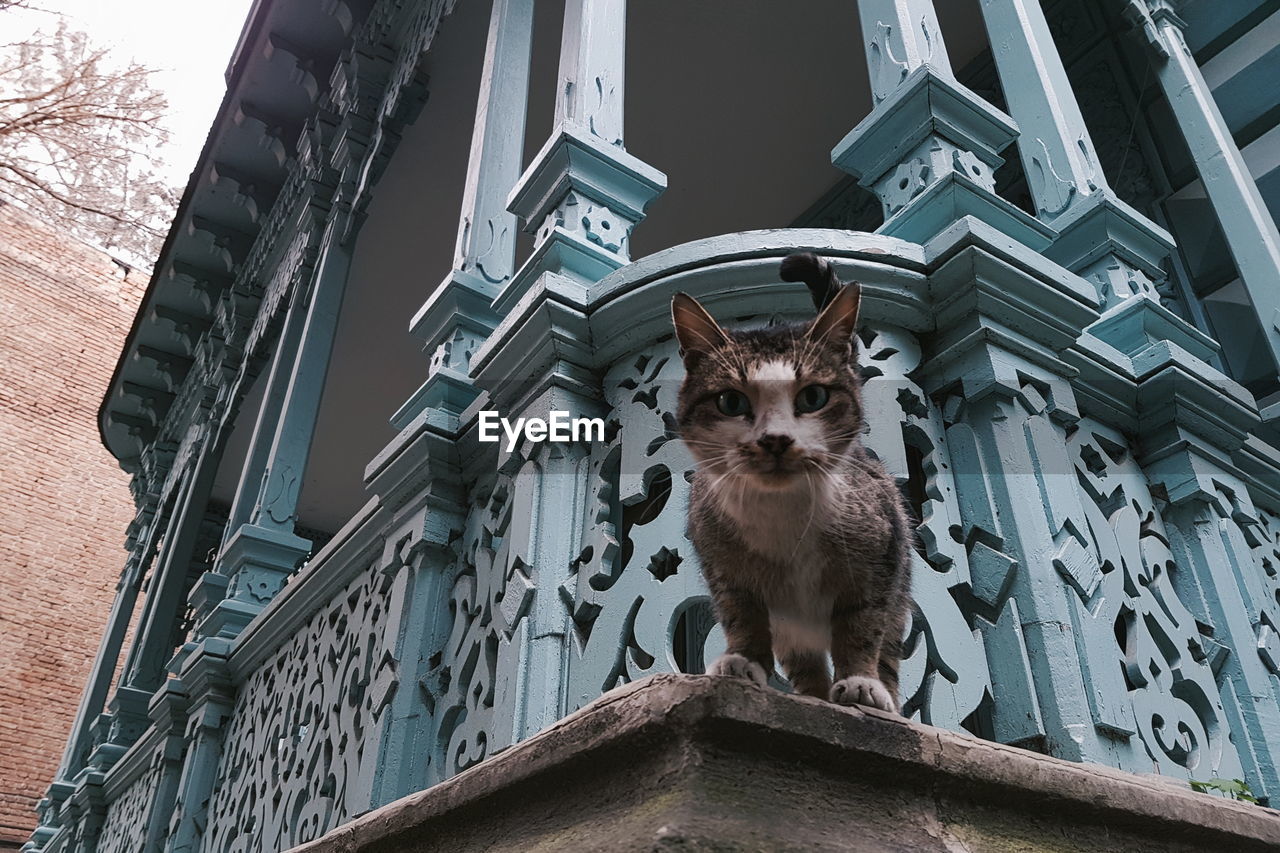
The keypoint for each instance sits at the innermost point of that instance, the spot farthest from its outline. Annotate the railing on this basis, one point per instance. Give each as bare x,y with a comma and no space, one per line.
441,626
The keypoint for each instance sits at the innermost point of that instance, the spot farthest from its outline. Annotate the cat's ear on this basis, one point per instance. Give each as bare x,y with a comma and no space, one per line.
696,331
838,320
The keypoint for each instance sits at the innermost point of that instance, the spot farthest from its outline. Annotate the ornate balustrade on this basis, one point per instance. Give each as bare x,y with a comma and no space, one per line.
405,651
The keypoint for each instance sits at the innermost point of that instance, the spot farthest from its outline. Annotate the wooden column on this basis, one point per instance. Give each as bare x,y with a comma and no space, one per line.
260,554
930,146
1100,237
583,193
255,463
457,316
580,198
166,597
900,36
1247,224
94,697
486,231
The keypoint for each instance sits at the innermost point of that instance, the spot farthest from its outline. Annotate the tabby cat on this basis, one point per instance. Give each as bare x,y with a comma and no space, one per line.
802,535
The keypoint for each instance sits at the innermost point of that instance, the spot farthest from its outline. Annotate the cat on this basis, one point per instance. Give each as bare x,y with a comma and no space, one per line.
803,537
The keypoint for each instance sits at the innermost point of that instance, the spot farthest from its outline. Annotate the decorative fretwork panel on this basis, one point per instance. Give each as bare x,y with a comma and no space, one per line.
472,685
295,263
1264,583
303,743
637,602
124,830
1146,658
944,676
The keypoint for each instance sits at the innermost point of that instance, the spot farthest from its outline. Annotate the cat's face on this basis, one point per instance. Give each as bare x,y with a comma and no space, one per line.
769,408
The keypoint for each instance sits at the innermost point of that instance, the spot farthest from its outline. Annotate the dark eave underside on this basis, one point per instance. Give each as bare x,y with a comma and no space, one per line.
278,75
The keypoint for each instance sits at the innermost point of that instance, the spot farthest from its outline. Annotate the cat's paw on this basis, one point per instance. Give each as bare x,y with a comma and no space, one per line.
738,666
860,690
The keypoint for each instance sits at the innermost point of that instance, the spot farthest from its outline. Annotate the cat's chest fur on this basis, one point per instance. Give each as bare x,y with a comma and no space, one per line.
785,527
786,532
807,543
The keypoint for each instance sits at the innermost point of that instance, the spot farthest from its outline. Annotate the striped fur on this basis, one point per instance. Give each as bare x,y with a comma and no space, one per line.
802,536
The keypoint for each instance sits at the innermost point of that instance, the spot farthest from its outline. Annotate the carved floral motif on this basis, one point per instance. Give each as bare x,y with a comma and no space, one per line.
1128,611
124,828
303,743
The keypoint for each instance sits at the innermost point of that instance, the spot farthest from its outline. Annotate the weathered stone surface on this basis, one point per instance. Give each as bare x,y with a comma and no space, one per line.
704,763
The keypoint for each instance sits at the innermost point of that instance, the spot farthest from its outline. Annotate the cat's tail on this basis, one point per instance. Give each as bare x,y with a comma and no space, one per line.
817,274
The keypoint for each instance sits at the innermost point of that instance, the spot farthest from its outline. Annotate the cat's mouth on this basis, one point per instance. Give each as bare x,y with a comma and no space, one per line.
777,471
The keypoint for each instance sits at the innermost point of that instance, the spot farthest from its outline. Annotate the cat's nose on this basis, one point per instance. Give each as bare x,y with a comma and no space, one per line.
775,444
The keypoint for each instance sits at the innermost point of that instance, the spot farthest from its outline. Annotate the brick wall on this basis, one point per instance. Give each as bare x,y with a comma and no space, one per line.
65,309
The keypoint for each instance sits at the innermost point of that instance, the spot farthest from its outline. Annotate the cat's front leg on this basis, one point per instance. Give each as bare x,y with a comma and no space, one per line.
745,621
857,633
738,666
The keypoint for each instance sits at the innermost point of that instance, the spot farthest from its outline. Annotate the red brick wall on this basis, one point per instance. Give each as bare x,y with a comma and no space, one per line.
65,309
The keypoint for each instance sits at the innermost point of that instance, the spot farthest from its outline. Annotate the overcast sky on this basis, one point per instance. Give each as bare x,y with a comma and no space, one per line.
188,42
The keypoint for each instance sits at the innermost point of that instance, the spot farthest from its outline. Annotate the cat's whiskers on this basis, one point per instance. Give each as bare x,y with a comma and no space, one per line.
810,346
717,458
711,489
813,508
700,441
850,432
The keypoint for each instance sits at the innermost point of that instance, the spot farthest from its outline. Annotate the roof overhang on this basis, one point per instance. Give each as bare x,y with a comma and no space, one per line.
277,75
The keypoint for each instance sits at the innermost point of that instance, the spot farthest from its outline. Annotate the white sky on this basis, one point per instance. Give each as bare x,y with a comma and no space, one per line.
188,42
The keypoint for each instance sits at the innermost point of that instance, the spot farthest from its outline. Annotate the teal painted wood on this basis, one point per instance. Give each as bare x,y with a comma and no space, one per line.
319,698
487,231
130,814
277,378
153,646
104,665
580,198
583,193
1177,710
139,792
1099,236
1207,537
376,94
592,68
901,36
1057,151
259,556
1247,224
457,317
930,146
1196,415
276,506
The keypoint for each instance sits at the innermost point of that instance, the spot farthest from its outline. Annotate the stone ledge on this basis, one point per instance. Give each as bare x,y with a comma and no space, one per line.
701,763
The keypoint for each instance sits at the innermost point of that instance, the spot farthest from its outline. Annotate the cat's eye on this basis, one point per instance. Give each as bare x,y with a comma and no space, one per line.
733,403
811,398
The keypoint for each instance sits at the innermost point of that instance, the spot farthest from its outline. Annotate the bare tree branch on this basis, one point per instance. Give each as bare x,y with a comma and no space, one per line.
79,139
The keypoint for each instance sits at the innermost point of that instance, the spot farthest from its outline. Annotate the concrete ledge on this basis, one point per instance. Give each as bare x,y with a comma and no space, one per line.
703,763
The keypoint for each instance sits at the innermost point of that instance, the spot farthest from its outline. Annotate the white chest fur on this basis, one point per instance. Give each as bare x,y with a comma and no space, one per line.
784,525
